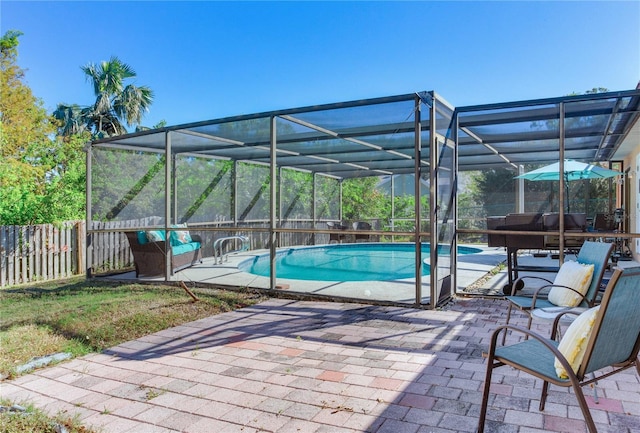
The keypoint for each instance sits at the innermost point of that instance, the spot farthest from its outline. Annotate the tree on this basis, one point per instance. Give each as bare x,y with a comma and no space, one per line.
70,120
361,200
24,139
493,190
116,105
22,117
65,192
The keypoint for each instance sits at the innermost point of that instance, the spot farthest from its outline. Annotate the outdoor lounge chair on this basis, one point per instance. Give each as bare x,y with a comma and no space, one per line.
591,253
608,335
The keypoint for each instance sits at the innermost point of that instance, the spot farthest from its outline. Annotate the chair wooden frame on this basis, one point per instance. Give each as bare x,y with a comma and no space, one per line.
614,343
595,253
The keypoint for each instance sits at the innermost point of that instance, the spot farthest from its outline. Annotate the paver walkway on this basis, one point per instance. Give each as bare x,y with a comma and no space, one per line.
311,367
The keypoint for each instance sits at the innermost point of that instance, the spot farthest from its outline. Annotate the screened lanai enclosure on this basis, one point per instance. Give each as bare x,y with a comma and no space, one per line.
370,200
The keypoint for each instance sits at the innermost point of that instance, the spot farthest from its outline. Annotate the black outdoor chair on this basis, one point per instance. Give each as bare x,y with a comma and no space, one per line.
337,237
362,226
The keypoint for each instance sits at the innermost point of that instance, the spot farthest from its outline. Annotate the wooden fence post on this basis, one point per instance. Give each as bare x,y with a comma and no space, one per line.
80,237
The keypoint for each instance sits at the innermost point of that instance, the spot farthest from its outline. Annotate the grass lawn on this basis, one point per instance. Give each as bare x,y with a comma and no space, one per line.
80,316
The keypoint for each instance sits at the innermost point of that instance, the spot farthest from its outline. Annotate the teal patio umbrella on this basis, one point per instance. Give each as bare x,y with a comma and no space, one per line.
573,170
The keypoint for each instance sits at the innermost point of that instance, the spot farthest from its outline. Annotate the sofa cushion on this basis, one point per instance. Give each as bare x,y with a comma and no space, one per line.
156,236
179,237
185,248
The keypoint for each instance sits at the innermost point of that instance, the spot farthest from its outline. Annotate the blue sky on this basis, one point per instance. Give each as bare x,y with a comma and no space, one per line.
211,59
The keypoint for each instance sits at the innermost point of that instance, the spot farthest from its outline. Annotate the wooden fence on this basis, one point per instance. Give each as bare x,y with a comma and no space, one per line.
52,251
41,252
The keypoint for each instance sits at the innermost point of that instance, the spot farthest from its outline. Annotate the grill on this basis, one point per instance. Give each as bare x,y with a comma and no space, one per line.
536,222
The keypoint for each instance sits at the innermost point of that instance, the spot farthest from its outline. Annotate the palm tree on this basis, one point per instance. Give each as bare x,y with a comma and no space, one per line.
115,102
70,121
115,105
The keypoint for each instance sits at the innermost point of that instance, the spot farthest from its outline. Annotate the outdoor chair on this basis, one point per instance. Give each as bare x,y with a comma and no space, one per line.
604,222
148,249
362,226
602,341
338,237
547,296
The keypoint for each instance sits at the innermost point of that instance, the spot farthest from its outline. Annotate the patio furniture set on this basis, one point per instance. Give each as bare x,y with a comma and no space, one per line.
602,340
603,337
357,237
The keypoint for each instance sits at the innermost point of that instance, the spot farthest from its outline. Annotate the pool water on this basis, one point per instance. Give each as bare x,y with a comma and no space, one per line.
347,262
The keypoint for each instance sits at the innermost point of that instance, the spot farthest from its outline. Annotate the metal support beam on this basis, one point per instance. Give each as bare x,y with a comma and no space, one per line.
563,182
393,203
433,205
340,198
520,190
314,212
417,217
454,190
168,191
273,207
89,235
279,199
234,194
174,191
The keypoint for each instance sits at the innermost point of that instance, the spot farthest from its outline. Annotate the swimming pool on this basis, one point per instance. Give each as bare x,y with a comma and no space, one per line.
346,262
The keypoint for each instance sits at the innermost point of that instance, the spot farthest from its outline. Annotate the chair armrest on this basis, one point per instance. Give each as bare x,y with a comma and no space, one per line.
196,238
549,286
556,321
521,279
151,247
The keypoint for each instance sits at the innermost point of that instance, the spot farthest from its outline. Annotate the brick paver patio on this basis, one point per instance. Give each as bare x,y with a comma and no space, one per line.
312,367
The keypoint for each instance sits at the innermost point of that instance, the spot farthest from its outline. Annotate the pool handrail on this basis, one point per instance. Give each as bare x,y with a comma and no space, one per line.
217,247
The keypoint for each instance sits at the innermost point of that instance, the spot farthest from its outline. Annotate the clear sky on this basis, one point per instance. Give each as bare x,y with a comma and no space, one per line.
211,59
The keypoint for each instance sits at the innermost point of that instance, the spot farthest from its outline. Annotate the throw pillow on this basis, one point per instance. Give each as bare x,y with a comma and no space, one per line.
155,236
574,342
180,237
142,237
571,274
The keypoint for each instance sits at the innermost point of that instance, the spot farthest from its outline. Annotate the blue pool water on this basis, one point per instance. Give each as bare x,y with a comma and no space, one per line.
346,262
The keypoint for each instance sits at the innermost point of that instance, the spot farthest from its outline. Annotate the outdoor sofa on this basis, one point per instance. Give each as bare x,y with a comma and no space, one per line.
148,248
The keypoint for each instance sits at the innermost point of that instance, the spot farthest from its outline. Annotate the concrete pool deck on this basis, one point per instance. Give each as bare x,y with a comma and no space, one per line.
471,268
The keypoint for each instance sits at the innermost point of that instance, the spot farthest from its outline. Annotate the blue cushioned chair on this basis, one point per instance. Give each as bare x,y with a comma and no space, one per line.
595,253
614,343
